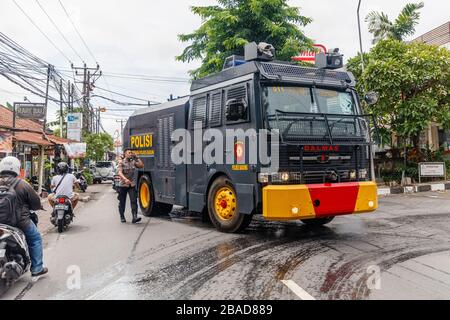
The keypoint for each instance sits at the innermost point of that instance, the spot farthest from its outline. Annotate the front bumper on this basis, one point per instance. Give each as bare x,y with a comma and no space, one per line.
298,202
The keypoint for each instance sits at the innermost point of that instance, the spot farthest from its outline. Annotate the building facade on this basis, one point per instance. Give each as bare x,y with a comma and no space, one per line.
436,137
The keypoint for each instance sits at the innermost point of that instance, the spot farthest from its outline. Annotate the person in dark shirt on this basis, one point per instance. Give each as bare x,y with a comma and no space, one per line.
27,200
126,171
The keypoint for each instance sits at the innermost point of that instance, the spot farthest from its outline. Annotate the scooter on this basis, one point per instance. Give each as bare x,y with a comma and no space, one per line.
82,182
14,256
62,215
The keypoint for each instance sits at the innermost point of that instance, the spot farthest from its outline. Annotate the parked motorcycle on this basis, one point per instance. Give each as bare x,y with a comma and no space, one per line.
34,181
62,215
82,182
14,256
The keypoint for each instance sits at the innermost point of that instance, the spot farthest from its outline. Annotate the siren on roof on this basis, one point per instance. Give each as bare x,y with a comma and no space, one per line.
259,52
330,60
233,61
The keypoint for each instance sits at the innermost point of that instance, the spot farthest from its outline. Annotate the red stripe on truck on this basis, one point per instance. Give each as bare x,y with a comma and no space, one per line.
334,199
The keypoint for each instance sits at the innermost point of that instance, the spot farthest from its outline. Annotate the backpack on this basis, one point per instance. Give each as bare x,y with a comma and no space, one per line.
8,204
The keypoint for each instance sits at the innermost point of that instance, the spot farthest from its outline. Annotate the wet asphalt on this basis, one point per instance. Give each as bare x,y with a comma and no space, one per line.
400,252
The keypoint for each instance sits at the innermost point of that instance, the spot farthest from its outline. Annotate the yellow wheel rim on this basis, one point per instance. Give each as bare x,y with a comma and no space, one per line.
144,195
225,203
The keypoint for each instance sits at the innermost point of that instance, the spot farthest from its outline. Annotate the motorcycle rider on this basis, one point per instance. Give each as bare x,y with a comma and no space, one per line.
62,185
27,200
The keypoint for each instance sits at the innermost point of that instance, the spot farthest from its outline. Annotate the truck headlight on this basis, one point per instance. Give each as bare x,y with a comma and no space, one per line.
352,175
285,177
363,174
263,178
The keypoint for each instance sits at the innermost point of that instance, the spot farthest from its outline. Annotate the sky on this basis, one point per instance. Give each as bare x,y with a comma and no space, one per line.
140,37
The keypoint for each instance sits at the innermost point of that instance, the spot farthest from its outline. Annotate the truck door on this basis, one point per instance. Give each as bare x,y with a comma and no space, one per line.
197,172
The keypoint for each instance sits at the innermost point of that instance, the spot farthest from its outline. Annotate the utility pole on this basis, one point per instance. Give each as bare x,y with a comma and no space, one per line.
42,151
90,75
61,113
122,121
360,37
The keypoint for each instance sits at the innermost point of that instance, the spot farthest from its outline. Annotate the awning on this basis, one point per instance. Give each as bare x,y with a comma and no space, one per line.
32,138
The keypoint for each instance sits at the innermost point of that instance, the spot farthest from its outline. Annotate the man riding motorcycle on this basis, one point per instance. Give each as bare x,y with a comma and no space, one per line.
62,186
27,200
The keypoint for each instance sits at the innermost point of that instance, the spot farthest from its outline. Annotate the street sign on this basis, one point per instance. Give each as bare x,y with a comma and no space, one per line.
74,126
310,56
34,111
76,150
432,170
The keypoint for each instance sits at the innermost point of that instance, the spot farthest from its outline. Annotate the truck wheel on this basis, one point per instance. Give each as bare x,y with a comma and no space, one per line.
146,197
318,222
223,208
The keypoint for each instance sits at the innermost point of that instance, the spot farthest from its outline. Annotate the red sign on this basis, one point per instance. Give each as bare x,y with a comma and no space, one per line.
321,148
310,56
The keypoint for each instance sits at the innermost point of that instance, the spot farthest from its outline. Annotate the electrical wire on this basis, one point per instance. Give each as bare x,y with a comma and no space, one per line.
59,30
76,30
42,32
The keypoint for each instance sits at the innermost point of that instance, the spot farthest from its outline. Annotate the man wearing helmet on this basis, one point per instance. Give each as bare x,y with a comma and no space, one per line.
27,200
63,184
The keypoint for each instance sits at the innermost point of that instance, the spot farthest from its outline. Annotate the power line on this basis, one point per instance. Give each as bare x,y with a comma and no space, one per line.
59,30
76,30
150,103
40,30
122,95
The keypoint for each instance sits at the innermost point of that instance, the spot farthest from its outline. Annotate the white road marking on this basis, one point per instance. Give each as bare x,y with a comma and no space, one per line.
299,292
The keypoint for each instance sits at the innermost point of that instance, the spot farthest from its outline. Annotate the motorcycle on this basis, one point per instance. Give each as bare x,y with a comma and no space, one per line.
34,181
116,183
82,182
14,256
62,215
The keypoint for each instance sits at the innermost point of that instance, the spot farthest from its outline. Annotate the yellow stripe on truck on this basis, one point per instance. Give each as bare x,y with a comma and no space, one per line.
287,203
367,197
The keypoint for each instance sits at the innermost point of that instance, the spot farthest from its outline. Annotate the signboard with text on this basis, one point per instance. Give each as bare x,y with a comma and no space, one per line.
310,56
432,170
74,126
34,111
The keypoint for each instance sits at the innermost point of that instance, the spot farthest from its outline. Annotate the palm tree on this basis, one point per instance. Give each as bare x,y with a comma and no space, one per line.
405,24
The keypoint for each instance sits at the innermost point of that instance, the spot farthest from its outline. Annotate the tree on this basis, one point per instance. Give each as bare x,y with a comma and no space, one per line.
227,27
98,145
413,81
405,24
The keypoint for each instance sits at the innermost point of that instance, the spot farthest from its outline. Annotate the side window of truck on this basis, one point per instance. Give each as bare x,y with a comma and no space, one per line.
215,109
237,108
199,111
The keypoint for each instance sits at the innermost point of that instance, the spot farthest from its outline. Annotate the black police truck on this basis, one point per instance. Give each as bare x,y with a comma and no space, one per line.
325,164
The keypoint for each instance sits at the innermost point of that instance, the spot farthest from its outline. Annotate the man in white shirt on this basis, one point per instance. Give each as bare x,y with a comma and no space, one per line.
63,184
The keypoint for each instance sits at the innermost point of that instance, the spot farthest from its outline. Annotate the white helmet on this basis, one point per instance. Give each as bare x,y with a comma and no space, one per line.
10,164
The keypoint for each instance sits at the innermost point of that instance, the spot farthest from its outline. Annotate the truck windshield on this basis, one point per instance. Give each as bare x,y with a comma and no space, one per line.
307,100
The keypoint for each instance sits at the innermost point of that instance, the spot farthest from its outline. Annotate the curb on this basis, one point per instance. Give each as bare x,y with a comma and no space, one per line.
437,187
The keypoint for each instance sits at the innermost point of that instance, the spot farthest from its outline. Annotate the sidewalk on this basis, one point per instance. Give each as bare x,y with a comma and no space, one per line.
423,187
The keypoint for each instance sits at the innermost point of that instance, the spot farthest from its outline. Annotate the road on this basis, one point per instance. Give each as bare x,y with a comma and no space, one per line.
400,252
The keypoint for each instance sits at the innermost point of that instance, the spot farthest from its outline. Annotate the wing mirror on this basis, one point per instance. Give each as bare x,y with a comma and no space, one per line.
371,98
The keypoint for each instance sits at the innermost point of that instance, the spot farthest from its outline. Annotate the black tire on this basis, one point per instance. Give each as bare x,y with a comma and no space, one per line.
61,226
237,221
147,205
318,222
